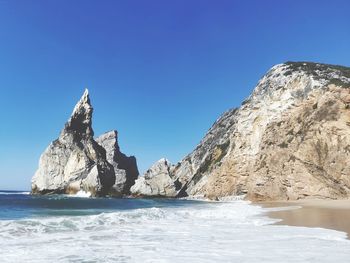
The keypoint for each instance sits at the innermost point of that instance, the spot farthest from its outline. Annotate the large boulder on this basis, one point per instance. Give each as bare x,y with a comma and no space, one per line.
75,161
156,182
125,167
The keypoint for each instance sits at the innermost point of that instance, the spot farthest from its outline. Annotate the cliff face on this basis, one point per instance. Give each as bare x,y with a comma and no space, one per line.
289,140
75,161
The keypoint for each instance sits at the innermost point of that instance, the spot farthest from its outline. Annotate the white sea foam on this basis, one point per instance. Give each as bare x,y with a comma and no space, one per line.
81,194
207,232
224,199
14,193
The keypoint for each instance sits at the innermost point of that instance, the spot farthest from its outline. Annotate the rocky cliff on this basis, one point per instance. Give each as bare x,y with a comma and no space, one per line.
125,167
75,161
289,140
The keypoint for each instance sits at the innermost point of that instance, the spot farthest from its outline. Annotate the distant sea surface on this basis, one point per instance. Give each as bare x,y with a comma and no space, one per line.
76,229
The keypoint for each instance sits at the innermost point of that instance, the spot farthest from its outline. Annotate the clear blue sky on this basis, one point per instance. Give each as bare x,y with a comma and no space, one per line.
160,72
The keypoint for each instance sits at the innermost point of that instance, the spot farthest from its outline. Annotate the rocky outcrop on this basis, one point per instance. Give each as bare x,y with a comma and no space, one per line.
76,162
289,140
125,168
156,182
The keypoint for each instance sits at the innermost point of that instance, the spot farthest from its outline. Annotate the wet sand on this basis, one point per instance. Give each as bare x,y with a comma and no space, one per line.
331,214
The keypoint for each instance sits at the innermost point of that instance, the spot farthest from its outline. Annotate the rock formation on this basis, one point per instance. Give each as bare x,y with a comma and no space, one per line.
156,182
75,161
125,168
289,140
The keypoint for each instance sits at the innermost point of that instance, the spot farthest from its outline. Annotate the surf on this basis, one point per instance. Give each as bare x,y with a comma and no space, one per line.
168,231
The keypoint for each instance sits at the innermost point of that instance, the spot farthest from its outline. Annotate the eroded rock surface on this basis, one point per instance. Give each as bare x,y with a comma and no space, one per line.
125,168
156,182
289,140
76,162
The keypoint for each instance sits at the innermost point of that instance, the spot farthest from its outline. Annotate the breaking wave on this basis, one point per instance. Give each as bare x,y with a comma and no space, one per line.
207,232
13,193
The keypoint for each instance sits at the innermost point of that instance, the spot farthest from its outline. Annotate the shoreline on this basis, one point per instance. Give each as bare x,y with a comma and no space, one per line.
314,213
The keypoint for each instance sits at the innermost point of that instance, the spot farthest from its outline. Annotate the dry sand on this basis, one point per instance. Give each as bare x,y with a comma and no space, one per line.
332,214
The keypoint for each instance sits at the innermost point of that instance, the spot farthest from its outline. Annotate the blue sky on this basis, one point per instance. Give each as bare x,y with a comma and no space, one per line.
160,72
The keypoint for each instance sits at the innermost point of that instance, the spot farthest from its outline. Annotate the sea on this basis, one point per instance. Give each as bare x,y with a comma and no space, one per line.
66,228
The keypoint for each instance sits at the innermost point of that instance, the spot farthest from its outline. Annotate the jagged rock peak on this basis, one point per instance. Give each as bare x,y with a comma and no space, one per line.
125,167
80,122
111,137
75,161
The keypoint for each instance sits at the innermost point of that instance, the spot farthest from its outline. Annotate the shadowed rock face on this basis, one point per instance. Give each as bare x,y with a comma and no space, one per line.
289,140
125,167
75,161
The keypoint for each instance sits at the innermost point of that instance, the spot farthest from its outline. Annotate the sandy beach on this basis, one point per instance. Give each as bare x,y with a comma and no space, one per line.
331,214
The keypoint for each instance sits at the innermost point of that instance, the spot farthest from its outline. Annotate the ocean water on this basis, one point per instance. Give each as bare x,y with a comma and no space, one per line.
74,229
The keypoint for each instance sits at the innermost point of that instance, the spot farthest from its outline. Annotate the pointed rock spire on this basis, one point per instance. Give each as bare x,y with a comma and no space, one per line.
80,122
75,161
